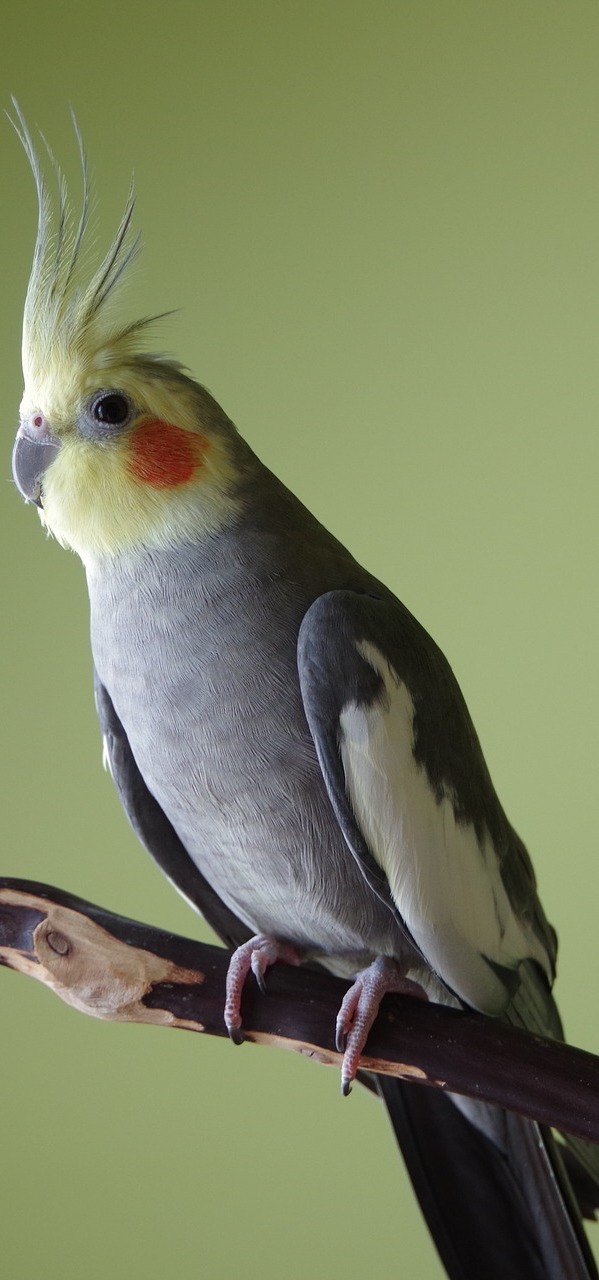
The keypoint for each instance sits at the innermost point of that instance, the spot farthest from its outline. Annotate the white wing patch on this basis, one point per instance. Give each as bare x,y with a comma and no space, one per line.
446,885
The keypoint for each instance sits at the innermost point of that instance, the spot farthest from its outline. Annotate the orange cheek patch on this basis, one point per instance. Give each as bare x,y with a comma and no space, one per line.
164,455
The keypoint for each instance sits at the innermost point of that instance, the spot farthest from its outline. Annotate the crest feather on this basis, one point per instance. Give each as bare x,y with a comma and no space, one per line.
64,317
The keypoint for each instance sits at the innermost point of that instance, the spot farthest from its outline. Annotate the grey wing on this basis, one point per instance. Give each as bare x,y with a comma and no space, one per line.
154,829
412,794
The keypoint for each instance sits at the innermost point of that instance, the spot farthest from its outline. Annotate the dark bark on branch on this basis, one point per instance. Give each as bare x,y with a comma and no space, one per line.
111,967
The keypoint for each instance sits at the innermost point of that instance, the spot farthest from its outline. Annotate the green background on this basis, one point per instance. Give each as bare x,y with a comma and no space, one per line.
381,224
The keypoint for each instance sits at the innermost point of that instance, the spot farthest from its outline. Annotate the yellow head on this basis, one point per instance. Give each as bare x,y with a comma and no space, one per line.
118,447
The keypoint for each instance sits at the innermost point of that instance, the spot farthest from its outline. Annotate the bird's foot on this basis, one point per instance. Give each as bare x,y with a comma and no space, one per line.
360,1007
258,955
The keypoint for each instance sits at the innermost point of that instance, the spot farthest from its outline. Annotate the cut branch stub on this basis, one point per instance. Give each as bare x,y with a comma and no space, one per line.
111,967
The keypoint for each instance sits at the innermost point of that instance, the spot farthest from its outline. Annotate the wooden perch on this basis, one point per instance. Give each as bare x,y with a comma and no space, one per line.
111,967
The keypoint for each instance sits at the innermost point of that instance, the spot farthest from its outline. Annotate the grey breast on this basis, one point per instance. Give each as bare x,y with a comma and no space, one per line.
197,648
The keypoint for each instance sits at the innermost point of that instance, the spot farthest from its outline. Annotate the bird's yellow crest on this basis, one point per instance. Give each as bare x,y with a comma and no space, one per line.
168,473
66,317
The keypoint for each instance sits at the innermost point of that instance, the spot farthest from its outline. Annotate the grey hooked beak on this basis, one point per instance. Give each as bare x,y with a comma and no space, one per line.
35,448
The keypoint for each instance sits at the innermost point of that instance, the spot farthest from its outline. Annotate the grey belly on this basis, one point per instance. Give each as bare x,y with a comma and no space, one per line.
251,808
205,684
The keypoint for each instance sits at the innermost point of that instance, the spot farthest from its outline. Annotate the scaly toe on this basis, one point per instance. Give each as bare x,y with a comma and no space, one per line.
347,1014
359,1010
258,954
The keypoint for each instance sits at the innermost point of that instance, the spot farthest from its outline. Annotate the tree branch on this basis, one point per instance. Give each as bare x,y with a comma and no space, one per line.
111,967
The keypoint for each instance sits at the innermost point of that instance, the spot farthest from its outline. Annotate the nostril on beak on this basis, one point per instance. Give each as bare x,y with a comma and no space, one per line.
35,449
38,424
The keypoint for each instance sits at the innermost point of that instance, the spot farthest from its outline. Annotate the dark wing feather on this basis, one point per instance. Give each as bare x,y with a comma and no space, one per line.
491,1185
446,751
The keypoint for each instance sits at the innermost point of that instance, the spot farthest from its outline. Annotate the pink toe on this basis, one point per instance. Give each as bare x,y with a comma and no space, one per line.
257,954
359,1010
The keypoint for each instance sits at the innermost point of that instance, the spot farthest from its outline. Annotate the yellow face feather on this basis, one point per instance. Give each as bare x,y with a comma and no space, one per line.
103,498
96,503
167,471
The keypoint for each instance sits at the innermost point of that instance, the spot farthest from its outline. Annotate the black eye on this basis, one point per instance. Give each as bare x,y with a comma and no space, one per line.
111,408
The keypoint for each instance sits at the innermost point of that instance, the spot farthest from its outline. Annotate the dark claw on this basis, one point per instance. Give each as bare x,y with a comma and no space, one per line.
261,983
236,1035
346,1089
341,1041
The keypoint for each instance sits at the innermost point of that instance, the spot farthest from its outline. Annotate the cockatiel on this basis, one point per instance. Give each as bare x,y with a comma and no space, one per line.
289,743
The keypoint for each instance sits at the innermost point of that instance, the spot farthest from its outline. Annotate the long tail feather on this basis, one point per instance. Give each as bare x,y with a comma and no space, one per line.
498,1206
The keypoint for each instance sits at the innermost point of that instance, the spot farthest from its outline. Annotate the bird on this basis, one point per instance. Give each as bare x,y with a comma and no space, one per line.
288,742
